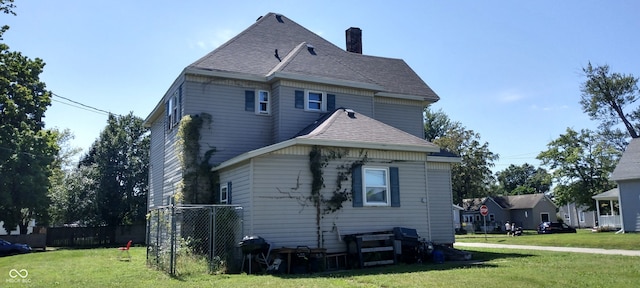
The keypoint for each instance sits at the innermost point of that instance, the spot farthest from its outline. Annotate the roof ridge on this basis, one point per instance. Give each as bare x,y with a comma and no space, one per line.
287,59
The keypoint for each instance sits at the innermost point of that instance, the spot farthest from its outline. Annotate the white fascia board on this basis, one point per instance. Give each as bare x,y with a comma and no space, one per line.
332,143
323,80
225,74
408,97
444,159
367,145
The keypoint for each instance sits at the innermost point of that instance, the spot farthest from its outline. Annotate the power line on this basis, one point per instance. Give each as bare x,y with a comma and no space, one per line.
84,106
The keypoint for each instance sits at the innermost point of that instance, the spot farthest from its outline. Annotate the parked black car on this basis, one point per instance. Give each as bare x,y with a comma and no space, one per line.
555,227
8,248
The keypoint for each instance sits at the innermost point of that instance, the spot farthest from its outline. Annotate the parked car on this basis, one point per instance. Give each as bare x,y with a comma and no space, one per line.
555,227
8,248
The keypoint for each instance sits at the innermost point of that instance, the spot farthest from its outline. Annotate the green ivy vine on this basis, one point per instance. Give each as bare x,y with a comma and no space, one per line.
197,180
318,160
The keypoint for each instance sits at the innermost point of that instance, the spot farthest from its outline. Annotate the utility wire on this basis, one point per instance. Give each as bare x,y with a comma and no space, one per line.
88,107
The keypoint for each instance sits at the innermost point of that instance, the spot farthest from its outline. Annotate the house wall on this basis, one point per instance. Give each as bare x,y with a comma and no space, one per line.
570,215
279,211
233,130
405,115
543,206
156,167
288,120
439,203
630,205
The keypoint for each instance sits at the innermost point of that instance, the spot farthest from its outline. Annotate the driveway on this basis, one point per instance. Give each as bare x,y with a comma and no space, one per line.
551,248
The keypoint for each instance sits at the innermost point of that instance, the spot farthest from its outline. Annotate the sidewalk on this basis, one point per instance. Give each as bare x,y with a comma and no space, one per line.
550,248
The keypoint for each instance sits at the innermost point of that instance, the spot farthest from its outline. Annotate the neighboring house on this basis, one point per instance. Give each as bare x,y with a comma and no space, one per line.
577,216
608,208
527,211
627,176
275,93
456,217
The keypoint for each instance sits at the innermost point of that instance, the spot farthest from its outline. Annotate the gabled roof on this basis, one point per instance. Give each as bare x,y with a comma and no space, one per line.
628,167
513,202
302,55
349,129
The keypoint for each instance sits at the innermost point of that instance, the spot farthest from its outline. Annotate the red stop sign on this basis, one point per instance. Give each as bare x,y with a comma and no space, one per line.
484,210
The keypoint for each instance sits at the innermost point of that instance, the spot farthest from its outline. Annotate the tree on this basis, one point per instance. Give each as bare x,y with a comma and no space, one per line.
26,149
62,170
120,159
605,96
436,124
472,177
524,179
581,163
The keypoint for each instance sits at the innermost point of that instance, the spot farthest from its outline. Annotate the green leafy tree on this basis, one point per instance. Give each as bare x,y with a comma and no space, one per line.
120,159
524,179
609,98
473,176
27,150
62,170
436,124
581,163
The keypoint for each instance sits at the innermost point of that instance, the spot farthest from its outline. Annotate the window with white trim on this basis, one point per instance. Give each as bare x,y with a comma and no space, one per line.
315,101
224,194
262,103
581,216
173,109
376,187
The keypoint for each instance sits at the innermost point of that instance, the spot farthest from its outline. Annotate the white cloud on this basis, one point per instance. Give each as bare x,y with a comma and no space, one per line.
211,39
510,96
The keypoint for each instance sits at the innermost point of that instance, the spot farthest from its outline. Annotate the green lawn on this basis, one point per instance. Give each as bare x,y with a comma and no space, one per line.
584,238
490,268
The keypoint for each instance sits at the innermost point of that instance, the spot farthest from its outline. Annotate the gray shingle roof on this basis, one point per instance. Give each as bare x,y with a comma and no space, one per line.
526,201
628,167
348,126
252,52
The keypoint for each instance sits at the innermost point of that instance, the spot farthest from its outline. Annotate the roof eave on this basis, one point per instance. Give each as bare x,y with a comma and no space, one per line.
322,142
427,98
324,80
444,159
224,74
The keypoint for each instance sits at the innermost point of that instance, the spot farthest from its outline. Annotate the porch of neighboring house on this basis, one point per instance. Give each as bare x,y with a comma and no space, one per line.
608,209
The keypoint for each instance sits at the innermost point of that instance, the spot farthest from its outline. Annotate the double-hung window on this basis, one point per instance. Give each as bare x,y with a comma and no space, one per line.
376,187
315,101
262,102
257,101
173,109
224,194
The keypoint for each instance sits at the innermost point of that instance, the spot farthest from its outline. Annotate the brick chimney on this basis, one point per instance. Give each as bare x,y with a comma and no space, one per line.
354,40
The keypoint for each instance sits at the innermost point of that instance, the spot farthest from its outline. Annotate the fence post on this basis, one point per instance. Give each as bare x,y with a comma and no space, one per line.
212,236
172,263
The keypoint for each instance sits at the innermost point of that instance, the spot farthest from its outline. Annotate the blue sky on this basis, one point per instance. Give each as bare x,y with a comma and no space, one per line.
509,70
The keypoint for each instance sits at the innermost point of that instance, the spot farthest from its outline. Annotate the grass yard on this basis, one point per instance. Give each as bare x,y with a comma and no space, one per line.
502,268
584,238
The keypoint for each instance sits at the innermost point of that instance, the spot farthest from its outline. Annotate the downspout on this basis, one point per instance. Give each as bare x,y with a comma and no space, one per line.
426,185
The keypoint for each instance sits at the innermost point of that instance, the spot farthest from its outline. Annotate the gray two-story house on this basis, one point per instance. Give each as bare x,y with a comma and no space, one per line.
276,93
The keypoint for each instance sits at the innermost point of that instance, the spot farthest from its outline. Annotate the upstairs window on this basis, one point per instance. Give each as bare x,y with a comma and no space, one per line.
173,108
257,102
315,101
262,103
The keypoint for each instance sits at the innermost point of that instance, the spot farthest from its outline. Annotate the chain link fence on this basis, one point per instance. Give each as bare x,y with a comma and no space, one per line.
195,239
